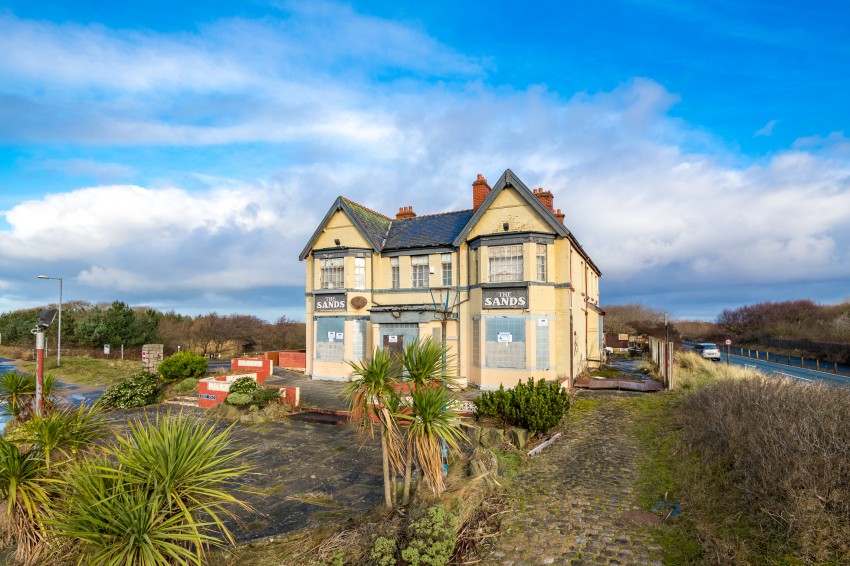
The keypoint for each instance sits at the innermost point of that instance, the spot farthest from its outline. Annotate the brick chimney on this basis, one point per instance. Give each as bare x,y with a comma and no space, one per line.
560,216
546,198
480,190
405,212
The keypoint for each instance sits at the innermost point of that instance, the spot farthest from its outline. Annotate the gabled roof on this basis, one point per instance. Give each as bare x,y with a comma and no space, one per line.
374,226
508,179
427,231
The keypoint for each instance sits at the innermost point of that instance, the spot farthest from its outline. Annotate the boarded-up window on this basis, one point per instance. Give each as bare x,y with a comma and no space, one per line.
359,340
476,342
504,343
330,339
542,343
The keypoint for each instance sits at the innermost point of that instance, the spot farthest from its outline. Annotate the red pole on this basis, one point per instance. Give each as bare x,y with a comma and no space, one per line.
39,372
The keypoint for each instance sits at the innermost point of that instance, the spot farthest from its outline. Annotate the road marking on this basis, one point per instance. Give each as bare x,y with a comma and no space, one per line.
791,376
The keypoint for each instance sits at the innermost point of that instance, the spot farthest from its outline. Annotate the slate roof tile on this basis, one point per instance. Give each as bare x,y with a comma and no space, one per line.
426,231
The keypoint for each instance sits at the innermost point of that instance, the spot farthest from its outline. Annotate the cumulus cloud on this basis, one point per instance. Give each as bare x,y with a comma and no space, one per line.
657,202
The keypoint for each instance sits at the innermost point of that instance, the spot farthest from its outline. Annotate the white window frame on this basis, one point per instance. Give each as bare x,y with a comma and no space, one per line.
505,263
394,274
420,271
447,269
360,273
541,262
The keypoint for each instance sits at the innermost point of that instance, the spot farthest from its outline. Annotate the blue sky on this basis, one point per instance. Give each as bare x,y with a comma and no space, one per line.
179,156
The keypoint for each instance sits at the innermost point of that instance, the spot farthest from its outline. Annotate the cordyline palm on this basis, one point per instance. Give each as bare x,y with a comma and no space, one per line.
160,497
63,433
432,421
17,394
24,488
422,361
370,393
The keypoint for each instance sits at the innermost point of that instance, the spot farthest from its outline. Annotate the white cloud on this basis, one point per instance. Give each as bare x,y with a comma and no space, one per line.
655,201
767,129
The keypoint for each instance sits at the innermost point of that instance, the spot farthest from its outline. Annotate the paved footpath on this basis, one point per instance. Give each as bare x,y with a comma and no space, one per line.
574,503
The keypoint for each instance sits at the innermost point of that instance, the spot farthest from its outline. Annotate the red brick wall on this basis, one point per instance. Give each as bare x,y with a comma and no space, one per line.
293,359
260,366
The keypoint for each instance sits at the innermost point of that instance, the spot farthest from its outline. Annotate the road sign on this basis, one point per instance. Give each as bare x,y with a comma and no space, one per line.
728,342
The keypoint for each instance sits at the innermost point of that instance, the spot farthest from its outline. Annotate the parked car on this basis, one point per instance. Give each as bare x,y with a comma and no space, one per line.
708,351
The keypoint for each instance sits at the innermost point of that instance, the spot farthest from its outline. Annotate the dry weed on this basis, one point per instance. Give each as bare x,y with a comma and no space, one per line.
783,448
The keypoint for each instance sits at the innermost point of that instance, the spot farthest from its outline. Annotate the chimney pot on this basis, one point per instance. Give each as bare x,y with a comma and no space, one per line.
546,198
405,212
480,190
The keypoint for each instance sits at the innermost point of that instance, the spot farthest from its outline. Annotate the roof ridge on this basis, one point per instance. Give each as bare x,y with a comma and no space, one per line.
438,214
348,200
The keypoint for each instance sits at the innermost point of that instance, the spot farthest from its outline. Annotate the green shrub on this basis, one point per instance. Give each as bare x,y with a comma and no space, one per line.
383,552
188,384
140,389
265,395
182,365
536,407
238,399
432,539
244,385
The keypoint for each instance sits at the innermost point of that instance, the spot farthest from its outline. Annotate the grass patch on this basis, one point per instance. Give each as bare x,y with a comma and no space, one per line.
93,372
510,463
341,448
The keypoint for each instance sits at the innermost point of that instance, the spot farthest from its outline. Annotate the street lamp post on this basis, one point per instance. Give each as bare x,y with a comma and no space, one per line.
59,334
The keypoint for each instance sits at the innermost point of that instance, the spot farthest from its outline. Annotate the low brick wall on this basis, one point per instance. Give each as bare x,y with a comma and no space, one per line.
214,390
292,359
262,367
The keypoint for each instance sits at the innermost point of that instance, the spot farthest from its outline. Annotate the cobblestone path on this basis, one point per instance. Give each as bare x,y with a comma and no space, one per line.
574,503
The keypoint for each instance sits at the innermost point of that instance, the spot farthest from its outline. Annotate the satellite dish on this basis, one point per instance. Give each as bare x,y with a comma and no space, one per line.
46,317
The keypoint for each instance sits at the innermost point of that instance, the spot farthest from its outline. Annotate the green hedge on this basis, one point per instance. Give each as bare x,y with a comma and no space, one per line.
140,389
182,365
536,407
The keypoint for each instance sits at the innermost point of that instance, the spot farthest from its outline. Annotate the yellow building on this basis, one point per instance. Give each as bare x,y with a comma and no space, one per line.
524,294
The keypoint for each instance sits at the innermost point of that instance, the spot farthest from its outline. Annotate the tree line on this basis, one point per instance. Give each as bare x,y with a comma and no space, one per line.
88,325
797,320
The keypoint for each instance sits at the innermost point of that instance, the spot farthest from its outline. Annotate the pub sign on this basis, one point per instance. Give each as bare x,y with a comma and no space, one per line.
508,298
333,302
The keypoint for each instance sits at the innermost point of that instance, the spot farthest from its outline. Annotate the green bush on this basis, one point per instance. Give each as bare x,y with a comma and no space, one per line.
265,395
140,389
383,552
536,407
238,399
188,384
432,539
244,385
182,365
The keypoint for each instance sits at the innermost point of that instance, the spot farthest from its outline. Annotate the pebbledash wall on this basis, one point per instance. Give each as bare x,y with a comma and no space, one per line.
528,292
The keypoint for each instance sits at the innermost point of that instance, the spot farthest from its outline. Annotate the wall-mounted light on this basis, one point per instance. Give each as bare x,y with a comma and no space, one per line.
336,241
506,227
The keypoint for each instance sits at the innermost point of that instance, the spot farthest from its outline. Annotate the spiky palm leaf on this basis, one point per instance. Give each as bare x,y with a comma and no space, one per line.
65,432
119,521
25,489
423,363
188,462
433,421
17,390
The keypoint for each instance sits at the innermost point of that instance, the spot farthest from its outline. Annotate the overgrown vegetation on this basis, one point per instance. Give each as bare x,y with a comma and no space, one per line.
182,365
143,388
536,407
758,463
